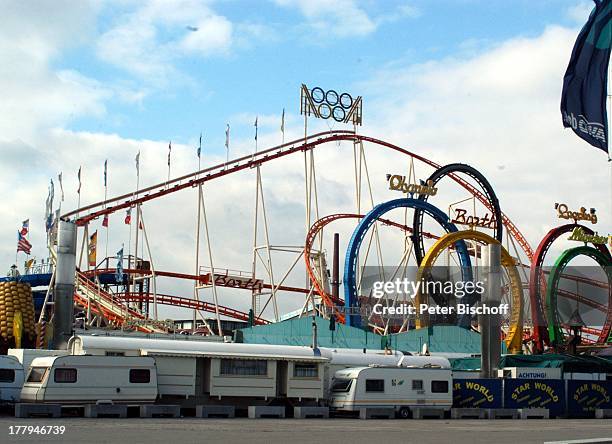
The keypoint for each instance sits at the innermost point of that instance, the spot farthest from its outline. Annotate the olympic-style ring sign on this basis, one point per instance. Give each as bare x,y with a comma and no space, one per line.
330,104
515,333
436,176
537,284
350,264
555,333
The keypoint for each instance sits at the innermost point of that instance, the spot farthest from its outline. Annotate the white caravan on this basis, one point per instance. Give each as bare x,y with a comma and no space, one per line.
206,371
399,388
89,379
27,355
11,379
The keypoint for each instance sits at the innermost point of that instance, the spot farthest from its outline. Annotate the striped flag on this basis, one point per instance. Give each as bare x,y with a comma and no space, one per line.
105,221
105,172
23,244
128,216
25,227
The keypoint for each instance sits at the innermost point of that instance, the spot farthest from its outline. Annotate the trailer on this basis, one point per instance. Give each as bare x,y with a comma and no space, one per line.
203,372
11,379
90,380
401,389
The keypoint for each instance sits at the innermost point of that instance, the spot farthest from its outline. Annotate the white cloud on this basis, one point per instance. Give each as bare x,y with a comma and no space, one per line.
147,41
498,111
580,11
345,18
341,18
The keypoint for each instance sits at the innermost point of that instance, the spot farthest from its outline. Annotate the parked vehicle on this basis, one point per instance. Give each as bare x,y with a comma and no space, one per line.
90,379
11,379
396,387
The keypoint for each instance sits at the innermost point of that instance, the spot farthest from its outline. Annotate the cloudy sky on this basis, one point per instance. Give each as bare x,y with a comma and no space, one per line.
469,81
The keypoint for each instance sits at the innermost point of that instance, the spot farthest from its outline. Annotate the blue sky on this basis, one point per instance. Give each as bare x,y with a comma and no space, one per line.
260,72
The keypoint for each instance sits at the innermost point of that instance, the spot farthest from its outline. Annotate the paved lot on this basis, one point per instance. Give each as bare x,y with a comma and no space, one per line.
349,431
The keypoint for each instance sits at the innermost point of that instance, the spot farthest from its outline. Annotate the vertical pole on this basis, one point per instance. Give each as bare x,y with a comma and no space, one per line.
197,255
490,335
336,267
63,290
212,266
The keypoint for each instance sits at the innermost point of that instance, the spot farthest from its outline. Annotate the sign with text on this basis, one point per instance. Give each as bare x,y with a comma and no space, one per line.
584,397
477,393
535,393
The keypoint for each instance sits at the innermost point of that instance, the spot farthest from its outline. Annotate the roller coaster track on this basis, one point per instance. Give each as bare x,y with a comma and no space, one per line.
177,301
86,214
328,299
88,293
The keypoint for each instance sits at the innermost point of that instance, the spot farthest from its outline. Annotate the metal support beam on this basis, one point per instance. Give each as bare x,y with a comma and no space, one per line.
63,291
490,333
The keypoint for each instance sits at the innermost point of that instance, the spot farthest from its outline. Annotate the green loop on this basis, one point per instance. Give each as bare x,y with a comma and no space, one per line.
554,326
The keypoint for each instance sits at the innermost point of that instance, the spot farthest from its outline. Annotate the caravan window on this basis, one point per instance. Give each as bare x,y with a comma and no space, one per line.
417,384
140,375
67,375
341,385
439,386
305,370
244,367
375,385
37,374
7,375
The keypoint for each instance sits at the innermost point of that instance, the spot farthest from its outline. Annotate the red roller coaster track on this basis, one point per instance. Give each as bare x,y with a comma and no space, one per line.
110,206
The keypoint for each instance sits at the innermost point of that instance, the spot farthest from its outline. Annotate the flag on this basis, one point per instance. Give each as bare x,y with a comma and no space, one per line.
169,151
227,134
583,100
49,222
25,227
105,172
105,221
256,128
23,244
91,249
119,270
137,159
59,179
79,177
283,122
51,192
200,146
128,216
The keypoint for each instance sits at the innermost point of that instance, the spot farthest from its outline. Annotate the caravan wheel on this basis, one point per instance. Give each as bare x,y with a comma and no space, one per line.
404,413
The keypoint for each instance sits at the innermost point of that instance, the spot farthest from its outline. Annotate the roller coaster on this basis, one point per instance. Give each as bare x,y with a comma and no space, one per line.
126,295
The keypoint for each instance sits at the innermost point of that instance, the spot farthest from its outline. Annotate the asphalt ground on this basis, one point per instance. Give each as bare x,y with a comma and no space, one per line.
347,431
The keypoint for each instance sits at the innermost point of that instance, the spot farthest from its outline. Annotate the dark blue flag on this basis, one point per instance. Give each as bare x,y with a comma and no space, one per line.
583,101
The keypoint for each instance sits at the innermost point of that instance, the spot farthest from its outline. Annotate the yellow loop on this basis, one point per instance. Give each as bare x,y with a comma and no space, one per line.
514,338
